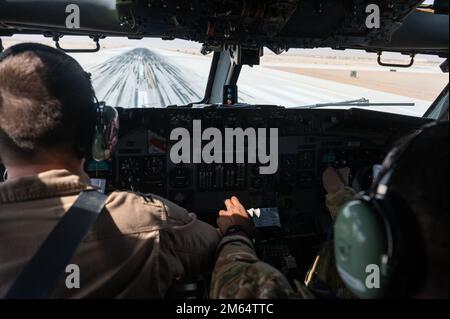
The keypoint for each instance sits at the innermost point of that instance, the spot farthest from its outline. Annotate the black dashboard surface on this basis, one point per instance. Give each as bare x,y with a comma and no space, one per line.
309,141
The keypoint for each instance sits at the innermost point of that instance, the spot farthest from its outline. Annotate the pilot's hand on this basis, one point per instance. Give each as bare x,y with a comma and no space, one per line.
335,179
235,217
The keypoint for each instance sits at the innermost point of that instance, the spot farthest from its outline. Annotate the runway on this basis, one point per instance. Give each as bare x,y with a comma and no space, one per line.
142,77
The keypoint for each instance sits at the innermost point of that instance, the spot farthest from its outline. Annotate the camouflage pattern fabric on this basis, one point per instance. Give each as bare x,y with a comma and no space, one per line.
239,274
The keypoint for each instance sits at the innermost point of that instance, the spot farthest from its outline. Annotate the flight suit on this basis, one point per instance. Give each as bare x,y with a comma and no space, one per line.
239,274
139,245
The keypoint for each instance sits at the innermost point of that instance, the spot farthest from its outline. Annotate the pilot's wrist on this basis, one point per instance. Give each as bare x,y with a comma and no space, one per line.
237,230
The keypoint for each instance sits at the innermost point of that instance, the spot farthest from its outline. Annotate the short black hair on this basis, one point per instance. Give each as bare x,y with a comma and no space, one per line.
46,100
421,180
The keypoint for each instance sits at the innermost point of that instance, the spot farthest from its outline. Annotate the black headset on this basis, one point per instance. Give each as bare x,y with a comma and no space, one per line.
379,228
103,139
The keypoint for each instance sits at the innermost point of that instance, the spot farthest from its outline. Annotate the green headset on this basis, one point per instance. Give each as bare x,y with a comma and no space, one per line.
106,131
377,239
98,143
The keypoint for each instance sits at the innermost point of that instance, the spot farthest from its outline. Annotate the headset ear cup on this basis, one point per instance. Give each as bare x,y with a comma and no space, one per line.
98,152
105,137
360,245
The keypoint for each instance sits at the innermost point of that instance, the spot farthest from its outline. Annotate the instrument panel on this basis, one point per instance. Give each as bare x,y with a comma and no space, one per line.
308,142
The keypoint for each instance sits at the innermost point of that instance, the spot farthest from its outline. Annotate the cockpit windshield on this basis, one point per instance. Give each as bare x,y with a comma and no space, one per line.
325,77
140,73
148,73
151,73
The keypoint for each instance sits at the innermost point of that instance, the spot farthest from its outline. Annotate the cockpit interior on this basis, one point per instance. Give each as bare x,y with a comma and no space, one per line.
309,138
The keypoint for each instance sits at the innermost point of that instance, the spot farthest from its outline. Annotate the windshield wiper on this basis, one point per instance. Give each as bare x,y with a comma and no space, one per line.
362,102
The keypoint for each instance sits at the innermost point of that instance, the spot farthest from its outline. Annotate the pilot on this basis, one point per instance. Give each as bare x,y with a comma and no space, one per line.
400,226
139,245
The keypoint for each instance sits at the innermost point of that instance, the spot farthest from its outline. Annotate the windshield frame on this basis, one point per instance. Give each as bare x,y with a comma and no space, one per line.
439,105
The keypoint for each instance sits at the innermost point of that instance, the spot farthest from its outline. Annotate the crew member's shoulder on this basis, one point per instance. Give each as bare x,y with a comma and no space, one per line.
145,211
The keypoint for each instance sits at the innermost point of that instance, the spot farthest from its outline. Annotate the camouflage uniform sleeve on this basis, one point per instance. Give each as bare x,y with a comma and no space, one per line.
324,267
239,274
